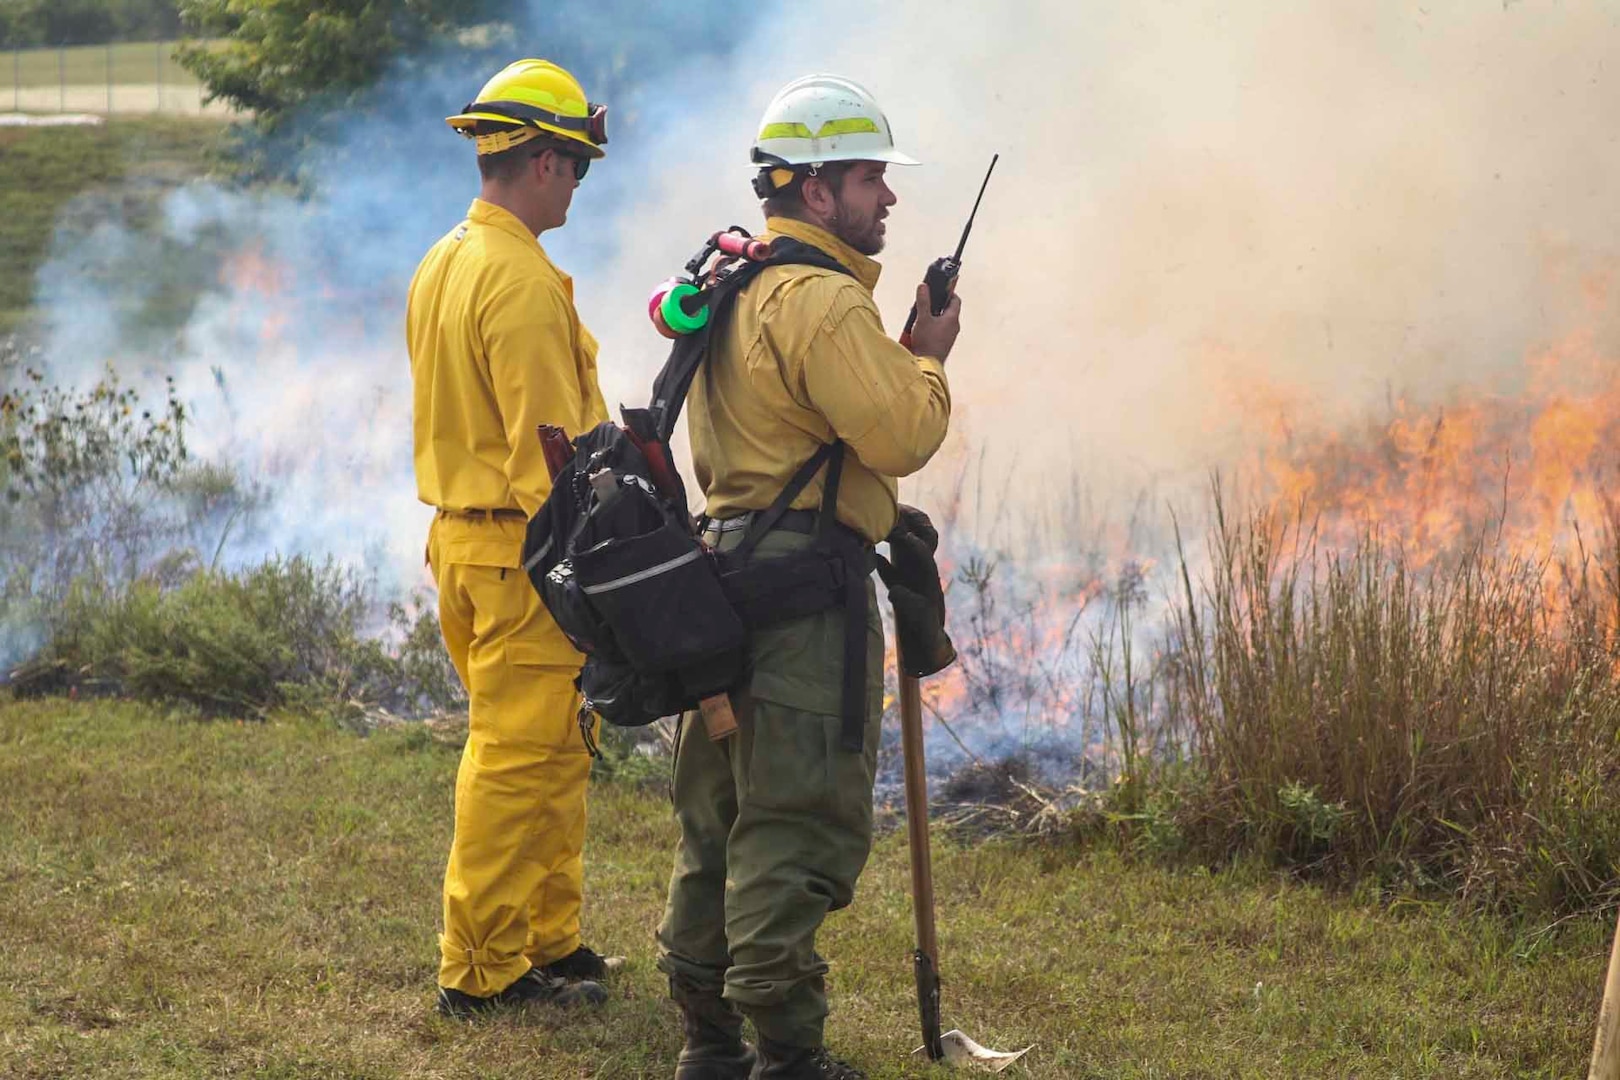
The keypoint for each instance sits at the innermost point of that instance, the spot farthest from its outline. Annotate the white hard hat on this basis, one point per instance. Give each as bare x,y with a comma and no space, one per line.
822,118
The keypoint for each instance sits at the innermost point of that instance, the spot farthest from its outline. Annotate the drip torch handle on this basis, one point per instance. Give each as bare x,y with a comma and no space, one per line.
743,246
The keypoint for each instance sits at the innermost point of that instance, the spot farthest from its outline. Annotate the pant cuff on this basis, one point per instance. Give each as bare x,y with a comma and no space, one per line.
479,972
691,977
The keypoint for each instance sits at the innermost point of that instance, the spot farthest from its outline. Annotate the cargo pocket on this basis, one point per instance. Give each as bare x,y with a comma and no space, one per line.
540,697
797,766
493,550
789,759
800,663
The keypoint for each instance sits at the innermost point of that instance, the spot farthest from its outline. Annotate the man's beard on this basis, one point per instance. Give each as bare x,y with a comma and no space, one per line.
863,236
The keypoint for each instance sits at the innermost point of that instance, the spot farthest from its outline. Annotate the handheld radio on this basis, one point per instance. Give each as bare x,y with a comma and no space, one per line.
942,272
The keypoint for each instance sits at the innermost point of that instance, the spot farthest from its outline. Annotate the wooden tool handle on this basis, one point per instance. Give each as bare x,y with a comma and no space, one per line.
922,865
718,719
1606,1050
926,958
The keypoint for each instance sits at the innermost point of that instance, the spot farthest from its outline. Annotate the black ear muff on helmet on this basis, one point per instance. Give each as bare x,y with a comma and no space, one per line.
765,184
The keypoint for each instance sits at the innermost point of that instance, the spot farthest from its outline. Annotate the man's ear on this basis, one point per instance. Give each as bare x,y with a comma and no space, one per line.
818,195
545,163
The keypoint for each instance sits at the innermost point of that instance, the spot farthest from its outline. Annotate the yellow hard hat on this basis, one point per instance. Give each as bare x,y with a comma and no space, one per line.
535,95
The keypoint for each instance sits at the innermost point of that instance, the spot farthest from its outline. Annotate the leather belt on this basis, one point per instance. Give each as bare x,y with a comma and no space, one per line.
799,521
486,515
794,521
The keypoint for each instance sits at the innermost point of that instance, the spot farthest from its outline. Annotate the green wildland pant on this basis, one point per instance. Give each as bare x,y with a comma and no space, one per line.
776,825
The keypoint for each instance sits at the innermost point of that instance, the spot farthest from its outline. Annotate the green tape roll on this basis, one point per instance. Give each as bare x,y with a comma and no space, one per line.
676,317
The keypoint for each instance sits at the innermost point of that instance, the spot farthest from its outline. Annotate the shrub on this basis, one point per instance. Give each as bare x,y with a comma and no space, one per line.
99,491
286,633
110,550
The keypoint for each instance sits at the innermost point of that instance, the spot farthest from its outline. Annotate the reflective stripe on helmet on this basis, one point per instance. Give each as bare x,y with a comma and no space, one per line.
851,125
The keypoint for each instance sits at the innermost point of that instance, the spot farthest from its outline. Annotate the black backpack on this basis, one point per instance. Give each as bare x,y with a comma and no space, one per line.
663,621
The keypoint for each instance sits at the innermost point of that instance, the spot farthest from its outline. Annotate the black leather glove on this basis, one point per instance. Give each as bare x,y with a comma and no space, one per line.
914,522
912,578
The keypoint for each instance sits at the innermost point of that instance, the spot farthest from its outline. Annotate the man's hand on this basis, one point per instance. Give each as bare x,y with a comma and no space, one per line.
934,335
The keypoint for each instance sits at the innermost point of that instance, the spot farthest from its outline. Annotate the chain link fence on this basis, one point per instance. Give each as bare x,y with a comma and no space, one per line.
102,79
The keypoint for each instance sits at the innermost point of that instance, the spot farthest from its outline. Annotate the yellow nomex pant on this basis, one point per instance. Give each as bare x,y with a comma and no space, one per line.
512,887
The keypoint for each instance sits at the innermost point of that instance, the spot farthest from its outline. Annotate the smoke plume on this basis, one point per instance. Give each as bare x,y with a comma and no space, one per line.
1209,219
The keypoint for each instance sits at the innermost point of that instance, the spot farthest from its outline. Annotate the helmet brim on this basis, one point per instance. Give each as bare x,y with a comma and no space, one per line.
894,157
887,157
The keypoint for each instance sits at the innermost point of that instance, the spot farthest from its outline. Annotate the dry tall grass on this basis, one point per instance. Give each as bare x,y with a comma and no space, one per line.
1454,726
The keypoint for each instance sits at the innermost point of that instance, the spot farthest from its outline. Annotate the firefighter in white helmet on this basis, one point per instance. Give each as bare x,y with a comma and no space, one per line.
496,349
776,823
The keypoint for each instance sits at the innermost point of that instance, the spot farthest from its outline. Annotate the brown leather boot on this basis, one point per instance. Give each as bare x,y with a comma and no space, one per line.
714,1048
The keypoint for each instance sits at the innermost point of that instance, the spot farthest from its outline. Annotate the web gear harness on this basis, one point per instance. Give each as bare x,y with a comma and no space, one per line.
663,619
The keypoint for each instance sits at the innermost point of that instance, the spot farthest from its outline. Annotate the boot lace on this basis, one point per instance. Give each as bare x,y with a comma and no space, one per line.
834,1069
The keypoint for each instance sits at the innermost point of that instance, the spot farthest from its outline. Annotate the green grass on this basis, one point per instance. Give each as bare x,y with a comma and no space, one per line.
130,63
43,169
192,899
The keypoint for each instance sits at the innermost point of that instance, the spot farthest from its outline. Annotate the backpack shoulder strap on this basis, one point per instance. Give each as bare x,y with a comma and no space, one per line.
687,354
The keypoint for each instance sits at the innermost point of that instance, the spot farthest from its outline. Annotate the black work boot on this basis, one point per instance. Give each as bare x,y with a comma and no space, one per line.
531,988
714,1048
780,1061
583,963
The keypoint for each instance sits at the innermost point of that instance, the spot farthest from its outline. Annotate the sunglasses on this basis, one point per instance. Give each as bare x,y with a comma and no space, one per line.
582,165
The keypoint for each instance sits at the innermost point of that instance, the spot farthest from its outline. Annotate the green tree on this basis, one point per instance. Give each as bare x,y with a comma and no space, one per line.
25,23
278,54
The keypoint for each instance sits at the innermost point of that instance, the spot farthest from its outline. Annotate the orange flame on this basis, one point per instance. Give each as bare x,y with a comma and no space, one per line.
1531,469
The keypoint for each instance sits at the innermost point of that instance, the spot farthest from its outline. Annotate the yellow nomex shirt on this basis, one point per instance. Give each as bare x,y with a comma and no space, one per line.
804,361
496,350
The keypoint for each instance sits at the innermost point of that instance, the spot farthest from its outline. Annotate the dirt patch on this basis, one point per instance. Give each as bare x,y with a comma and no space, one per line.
71,1012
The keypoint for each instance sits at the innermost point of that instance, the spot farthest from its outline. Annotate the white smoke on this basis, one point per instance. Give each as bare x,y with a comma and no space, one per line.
1205,213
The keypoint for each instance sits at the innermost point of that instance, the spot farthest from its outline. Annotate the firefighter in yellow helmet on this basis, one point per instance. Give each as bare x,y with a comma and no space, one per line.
496,349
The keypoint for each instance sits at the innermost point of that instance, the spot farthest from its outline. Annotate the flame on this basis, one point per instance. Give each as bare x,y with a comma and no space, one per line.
252,270
259,282
1530,469
1526,465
